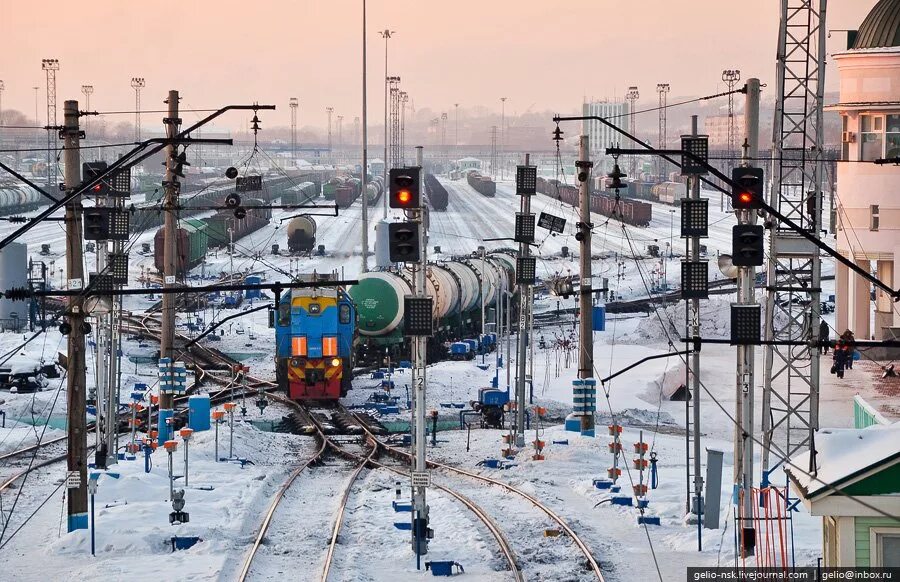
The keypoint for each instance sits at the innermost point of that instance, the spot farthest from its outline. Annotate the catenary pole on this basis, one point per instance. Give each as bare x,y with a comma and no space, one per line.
171,186
693,315
586,313
522,344
76,455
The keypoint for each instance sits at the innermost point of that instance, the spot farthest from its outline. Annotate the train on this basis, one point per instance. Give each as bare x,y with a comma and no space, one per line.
19,198
224,227
195,236
456,286
301,193
484,185
437,195
374,189
191,244
634,212
315,333
301,233
669,192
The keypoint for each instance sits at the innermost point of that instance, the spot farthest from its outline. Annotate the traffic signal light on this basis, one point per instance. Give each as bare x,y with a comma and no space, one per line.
89,171
403,242
747,245
404,188
747,188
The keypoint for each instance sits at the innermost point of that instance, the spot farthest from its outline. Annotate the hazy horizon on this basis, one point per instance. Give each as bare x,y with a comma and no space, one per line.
462,52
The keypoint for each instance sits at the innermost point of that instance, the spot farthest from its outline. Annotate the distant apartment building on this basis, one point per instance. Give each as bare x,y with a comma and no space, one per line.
716,127
602,136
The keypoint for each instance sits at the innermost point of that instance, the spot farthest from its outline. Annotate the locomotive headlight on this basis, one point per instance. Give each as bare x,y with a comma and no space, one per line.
336,362
295,362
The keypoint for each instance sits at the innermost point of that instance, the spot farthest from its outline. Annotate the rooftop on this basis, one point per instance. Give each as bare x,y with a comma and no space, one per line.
881,28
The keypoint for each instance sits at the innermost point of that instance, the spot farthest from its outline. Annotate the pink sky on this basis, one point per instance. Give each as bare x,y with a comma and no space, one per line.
545,54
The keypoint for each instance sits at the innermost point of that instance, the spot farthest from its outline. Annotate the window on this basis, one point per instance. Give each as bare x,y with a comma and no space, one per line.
344,313
884,547
873,217
892,141
845,144
871,137
284,313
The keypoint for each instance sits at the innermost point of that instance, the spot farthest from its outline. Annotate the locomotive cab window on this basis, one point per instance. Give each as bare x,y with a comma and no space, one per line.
344,313
284,313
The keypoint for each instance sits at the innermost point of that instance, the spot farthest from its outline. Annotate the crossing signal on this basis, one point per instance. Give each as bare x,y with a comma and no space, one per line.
404,188
747,188
403,242
747,245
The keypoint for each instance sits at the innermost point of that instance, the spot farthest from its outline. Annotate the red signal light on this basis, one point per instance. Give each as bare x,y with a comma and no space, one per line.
97,187
404,197
746,197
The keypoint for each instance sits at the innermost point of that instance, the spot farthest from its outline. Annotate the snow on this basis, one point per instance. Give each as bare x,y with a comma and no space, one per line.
841,453
132,511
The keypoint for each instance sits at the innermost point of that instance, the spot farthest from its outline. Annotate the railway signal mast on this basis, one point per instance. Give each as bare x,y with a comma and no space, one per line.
408,244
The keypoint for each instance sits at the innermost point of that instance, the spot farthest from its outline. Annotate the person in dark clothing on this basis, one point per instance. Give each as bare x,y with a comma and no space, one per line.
849,342
823,337
840,359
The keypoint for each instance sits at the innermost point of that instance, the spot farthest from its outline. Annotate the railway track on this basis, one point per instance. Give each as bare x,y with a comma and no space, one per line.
555,517
368,459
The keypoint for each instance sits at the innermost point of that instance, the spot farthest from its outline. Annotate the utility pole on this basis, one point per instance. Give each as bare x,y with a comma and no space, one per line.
743,441
137,83
586,310
418,380
365,152
386,35
76,454
340,130
51,66
170,203
494,151
294,103
443,135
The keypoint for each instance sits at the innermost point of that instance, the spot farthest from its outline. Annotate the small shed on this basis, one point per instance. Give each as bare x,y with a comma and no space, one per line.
469,164
855,487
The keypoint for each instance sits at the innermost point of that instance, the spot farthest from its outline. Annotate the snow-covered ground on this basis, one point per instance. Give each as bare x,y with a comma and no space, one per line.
132,510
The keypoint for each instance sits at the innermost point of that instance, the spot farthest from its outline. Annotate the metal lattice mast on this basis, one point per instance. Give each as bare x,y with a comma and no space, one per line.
356,129
50,66
340,132
2,87
294,103
88,90
663,90
137,83
329,111
394,90
632,96
494,151
731,78
791,388
404,99
444,118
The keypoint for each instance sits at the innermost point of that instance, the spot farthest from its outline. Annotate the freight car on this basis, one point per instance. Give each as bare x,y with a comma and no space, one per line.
224,221
315,334
301,232
482,184
456,286
191,243
436,193
300,194
19,198
670,192
632,212
329,187
374,189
